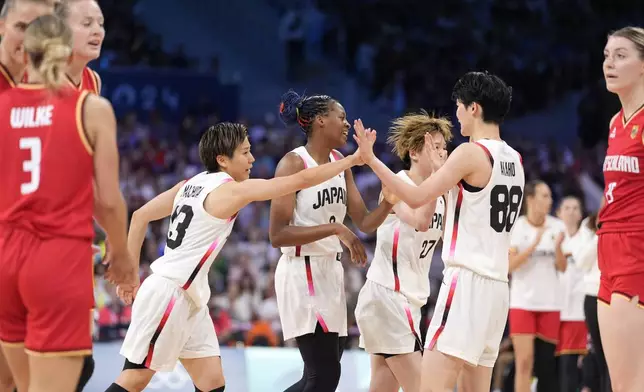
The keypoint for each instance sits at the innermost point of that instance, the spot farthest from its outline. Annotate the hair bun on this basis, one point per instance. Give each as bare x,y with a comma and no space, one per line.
290,103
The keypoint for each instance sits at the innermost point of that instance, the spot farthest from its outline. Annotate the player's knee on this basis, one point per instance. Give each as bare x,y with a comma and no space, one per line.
325,378
524,362
6,381
210,382
134,379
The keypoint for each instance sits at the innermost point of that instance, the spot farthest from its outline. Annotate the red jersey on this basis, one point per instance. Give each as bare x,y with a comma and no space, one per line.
624,175
46,164
89,82
6,81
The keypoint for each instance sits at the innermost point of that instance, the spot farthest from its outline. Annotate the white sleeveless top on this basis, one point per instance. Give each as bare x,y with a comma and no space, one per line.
403,255
479,222
194,237
318,205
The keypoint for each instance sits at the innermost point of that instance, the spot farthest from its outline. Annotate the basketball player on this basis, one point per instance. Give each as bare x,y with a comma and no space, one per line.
397,286
170,318
85,18
15,15
54,143
621,221
573,334
485,182
308,226
536,256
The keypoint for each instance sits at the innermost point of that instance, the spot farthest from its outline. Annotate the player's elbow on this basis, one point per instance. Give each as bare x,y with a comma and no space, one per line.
275,239
110,202
422,227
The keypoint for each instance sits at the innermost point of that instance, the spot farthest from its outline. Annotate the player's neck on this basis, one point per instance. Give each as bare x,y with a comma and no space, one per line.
535,218
416,174
485,131
16,70
571,229
75,71
632,100
318,151
34,76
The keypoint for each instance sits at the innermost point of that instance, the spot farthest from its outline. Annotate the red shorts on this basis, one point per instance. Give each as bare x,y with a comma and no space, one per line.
47,293
573,338
544,325
621,262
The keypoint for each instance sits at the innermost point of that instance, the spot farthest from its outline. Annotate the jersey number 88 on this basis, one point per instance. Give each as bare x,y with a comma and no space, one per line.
504,207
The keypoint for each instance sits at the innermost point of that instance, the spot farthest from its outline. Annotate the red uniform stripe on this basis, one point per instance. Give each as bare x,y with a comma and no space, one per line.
164,320
448,305
457,213
336,155
311,287
192,277
489,154
394,258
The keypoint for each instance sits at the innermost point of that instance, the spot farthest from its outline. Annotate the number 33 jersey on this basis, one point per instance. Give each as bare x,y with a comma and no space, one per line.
479,220
194,237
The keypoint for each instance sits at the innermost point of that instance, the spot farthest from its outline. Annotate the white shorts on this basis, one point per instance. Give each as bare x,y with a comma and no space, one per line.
388,323
470,317
166,326
310,290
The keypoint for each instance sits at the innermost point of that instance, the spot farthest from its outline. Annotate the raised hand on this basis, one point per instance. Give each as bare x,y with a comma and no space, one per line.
365,139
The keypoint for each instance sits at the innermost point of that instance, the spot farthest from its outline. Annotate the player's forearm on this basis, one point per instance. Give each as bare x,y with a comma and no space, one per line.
372,220
561,261
404,191
517,260
301,235
136,235
113,219
419,218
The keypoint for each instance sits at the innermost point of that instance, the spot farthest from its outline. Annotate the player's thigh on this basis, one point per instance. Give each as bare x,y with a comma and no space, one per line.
439,372
475,379
622,345
406,368
57,288
51,373
18,365
6,380
201,355
382,377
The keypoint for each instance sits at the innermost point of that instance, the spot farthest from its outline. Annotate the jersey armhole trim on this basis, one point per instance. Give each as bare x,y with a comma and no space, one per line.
95,81
474,189
80,122
5,73
612,121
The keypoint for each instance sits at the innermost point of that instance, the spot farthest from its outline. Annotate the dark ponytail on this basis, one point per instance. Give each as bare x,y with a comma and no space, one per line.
300,110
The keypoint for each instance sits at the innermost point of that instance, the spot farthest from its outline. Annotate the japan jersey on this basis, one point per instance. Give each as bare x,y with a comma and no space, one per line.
318,205
479,221
403,255
194,237
46,163
623,177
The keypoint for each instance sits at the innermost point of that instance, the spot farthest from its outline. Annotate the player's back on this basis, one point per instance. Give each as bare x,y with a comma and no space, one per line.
479,220
194,237
623,168
46,164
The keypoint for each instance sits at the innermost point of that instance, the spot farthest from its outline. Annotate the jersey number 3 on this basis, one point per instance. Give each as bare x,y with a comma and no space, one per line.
32,165
179,222
504,207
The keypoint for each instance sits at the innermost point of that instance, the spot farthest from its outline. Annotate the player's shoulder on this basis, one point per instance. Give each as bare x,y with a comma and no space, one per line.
290,163
613,120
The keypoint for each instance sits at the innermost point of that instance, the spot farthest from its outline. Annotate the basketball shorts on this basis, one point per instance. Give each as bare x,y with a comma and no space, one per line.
469,318
46,292
388,324
310,290
573,338
621,262
167,326
544,325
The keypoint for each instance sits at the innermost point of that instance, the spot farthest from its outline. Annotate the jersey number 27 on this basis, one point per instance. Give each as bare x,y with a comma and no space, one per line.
504,207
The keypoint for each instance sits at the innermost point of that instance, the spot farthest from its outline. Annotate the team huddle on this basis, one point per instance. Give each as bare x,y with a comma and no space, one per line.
59,163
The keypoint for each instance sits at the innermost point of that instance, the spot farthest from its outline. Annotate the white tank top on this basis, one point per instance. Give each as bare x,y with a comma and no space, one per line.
194,237
479,221
403,255
318,205
573,289
535,284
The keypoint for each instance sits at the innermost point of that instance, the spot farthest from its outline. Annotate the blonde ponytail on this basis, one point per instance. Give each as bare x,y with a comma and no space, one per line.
48,42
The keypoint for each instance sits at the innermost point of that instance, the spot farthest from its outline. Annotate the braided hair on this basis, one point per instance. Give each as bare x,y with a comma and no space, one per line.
301,110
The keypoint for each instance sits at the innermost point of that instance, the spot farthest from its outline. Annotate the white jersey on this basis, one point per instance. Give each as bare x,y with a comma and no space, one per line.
477,230
194,237
318,205
403,255
535,284
572,280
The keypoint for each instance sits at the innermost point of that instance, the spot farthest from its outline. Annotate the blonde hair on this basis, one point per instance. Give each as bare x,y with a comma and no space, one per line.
48,42
633,34
10,4
62,8
407,133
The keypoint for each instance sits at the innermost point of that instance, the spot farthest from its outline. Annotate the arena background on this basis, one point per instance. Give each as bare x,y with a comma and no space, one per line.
172,67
